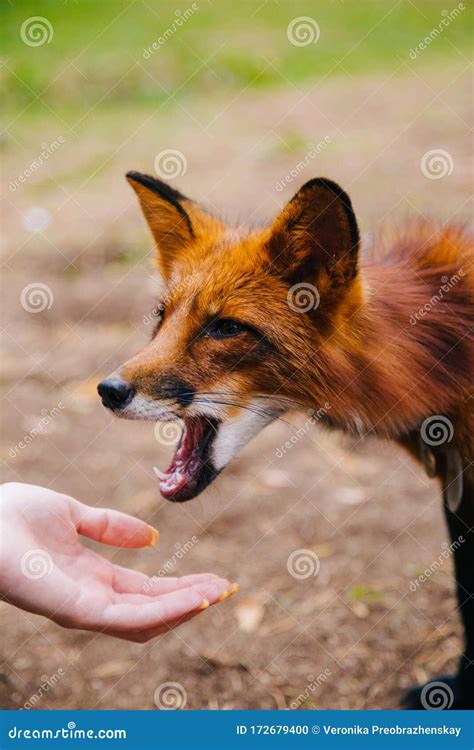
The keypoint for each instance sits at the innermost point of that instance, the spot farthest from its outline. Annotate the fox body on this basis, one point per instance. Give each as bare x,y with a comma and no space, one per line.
255,322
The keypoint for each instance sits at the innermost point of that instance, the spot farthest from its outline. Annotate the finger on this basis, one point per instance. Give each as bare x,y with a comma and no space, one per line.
127,581
112,527
163,585
134,618
148,635
147,597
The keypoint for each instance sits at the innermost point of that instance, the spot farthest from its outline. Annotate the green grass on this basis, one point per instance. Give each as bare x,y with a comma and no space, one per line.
95,57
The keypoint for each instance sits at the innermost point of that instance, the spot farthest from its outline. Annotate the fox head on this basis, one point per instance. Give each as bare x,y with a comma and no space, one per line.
245,325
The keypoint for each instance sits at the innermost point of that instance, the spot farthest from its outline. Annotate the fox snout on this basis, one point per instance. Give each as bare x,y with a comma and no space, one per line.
164,396
115,393
193,465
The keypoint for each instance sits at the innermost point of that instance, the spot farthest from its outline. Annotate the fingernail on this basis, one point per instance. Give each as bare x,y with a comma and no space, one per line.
155,536
227,594
204,604
233,589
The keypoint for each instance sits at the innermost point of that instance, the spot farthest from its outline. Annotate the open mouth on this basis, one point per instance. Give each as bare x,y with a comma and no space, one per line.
191,468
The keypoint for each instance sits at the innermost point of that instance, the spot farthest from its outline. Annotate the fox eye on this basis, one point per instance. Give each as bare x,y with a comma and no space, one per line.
157,315
225,329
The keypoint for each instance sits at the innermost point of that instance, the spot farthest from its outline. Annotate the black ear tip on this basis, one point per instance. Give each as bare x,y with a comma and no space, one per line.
163,189
327,184
142,179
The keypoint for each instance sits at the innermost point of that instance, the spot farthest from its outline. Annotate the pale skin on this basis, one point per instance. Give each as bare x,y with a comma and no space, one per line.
46,569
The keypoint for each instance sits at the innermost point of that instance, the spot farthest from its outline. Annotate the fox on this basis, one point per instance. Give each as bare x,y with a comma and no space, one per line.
254,322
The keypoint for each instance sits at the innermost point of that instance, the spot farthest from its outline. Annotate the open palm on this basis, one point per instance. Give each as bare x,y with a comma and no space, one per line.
45,569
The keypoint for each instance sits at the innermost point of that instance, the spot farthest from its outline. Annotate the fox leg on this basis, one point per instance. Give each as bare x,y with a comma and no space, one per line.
455,691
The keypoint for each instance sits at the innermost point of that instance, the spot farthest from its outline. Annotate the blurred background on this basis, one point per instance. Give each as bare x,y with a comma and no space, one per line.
239,104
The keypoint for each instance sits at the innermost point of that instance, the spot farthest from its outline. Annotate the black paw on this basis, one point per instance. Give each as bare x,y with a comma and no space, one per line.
441,693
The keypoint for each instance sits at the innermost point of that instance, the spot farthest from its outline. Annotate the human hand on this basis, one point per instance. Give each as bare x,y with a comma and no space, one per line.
45,569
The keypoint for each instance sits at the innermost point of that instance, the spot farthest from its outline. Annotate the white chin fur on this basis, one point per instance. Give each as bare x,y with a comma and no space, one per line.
234,433
145,408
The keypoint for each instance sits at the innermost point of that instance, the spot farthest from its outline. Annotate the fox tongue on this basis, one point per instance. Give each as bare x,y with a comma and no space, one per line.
187,461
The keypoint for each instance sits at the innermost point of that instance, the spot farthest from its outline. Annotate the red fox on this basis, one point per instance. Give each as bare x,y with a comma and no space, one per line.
256,322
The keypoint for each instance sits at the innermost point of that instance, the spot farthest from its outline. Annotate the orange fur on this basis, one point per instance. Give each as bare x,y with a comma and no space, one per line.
255,322
357,350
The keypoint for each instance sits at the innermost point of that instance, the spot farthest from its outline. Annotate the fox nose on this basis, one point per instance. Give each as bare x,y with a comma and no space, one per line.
115,393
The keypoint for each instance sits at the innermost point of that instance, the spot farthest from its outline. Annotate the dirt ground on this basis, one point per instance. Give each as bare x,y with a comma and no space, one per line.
352,636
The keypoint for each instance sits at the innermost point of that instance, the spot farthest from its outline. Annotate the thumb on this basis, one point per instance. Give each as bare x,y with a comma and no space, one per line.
112,527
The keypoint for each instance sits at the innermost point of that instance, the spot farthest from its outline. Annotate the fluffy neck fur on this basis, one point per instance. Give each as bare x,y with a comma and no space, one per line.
404,351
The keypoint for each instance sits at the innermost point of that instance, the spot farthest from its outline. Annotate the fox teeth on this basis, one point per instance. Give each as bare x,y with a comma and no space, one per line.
160,474
178,477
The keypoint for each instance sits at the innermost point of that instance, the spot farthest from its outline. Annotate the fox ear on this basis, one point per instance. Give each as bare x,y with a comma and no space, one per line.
316,236
174,220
